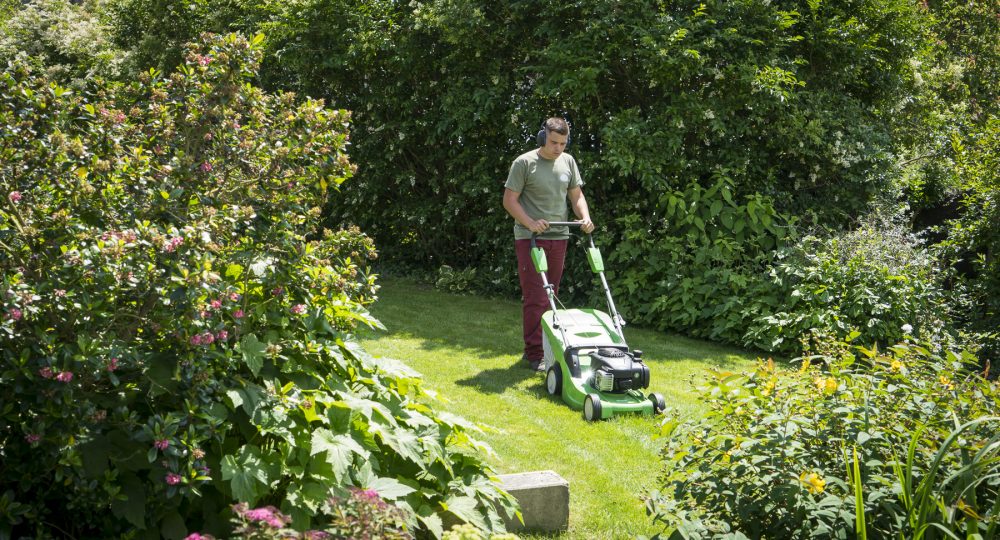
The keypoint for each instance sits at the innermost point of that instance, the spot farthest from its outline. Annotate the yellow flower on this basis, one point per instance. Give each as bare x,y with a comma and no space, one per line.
896,365
813,482
805,366
827,385
945,382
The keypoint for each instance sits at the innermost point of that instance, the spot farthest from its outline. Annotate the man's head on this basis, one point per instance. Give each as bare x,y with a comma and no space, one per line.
554,136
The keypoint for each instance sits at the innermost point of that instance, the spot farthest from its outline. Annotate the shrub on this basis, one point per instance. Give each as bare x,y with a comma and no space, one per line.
66,39
176,326
690,269
779,453
875,279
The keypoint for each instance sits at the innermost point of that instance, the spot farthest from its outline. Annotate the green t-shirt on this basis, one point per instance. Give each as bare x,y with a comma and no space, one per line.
543,184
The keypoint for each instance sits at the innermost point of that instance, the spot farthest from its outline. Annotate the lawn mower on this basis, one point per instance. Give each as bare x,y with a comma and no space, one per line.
587,361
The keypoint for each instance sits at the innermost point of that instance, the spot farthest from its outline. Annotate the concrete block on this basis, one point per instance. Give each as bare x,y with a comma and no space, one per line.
544,500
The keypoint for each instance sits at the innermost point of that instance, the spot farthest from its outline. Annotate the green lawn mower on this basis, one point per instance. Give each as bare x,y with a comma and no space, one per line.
587,361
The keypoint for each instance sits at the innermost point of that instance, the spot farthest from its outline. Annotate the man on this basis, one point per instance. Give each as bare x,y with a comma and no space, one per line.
538,186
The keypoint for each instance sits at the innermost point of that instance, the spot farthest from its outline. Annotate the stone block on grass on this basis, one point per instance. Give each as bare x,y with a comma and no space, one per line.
544,500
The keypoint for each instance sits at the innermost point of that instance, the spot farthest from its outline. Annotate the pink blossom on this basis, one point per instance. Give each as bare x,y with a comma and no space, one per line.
196,339
59,293
298,309
205,60
207,338
316,535
238,314
172,479
161,444
64,376
46,373
112,364
234,296
222,335
268,515
173,244
196,536
32,438
215,304
277,291
206,167
15,314
14,196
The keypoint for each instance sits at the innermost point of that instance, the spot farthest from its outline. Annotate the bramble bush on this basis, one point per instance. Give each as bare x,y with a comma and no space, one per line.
176,325
897,443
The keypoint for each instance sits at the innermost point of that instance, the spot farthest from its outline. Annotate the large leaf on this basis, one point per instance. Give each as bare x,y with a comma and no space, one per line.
339,448
253,352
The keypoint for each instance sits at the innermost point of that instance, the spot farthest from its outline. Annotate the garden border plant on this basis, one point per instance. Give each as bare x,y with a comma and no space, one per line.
176,325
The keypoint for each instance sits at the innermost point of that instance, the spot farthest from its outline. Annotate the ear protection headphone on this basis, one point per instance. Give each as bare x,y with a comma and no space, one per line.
541,136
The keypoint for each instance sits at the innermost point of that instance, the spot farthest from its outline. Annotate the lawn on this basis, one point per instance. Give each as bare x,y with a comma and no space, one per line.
468,350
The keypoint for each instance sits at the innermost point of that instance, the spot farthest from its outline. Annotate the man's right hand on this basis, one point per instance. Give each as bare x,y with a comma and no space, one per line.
538,226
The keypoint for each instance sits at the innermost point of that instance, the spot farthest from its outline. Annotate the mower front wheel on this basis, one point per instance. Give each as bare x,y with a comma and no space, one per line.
592,408
659,404
553,380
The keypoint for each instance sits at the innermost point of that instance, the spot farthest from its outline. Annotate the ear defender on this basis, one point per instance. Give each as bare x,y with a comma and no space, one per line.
541,136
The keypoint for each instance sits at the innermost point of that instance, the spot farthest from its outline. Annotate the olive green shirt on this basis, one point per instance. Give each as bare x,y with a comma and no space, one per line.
543,185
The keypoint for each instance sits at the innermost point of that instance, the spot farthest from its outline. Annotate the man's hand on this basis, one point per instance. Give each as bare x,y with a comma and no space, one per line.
538,226
586,225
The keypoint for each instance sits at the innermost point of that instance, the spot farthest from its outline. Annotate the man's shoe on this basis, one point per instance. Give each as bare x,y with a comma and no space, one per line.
537,365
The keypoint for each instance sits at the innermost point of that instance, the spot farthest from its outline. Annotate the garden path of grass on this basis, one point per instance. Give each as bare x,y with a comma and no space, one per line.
468,348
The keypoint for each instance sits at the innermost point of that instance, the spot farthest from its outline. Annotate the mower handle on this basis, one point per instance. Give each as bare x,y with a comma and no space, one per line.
534,235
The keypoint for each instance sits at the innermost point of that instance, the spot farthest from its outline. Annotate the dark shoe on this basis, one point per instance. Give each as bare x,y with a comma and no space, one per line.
537,365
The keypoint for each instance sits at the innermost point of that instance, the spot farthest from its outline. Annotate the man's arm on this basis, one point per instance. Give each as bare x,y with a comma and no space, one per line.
579,204
512,204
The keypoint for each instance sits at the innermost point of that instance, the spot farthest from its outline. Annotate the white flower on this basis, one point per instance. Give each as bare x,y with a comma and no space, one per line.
907,329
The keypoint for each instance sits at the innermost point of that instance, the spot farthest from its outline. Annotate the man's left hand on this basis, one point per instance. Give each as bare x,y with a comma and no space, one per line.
586,225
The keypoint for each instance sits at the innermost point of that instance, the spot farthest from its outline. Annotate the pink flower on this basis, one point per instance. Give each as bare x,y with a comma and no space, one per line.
172,479
215,304
46,373
173,244
207,338
112,364
64,376
206,167
15,314
196,339
298,309
14,196
161,444
196,536
316,535
32,438
222,335
234,296
238,314
205,60
277,291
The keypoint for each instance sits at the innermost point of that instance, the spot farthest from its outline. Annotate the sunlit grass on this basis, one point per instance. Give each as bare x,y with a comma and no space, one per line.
468,350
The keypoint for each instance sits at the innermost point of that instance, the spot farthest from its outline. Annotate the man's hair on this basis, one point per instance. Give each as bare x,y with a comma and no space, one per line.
557,125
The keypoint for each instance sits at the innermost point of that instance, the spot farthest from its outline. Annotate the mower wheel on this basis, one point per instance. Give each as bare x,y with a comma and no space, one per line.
553,380
659,404
592,408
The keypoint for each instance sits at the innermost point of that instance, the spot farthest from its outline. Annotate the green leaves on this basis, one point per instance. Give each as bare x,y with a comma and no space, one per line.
339,450
252,351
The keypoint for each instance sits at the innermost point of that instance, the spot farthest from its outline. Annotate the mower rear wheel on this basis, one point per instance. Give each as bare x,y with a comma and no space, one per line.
659,404
553,380
592,408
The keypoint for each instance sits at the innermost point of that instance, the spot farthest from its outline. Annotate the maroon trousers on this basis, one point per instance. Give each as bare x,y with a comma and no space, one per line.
534,301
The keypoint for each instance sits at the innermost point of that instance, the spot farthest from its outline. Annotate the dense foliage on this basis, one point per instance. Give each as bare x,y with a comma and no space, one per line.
830,451
176,325
819,112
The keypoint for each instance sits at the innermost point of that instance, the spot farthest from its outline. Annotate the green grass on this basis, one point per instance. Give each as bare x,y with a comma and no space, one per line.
468,350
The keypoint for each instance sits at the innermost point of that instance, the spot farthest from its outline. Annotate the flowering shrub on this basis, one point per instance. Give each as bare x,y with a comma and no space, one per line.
779,453
175,324
874,280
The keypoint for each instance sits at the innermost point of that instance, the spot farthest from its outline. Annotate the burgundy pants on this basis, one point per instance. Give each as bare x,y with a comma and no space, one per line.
534,301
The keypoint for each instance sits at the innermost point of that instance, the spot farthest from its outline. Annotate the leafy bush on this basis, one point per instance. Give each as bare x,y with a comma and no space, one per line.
690,270
176,328
875,279
456,281
779,453
66,39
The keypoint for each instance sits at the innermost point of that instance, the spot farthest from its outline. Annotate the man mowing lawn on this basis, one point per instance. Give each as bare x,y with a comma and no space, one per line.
536,192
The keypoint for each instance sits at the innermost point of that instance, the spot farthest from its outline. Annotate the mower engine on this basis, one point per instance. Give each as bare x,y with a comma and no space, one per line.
618,371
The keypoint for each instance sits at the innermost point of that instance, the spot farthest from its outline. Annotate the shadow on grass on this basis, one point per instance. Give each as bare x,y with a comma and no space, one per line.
488,328
498,380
